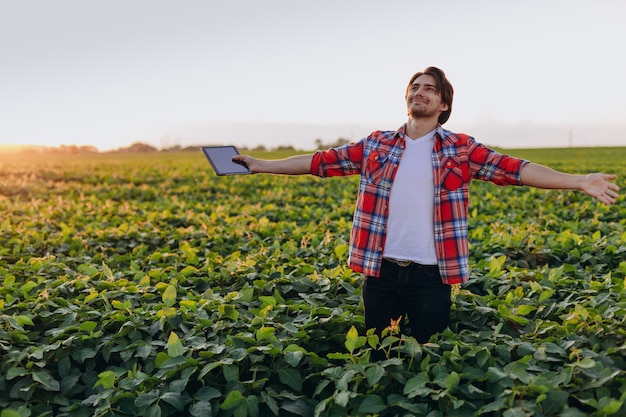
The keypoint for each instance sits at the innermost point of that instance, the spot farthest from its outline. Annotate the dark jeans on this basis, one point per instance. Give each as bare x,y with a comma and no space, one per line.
414,292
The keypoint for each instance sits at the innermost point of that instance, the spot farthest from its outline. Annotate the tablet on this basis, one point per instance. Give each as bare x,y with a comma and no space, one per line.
221,159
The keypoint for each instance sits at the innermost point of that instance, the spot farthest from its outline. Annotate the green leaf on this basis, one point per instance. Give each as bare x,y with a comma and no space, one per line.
270,401
496,405
340,250
297,408
416,408
208,368
518,369
293,355
374,374
87,326
252,406
201,409
9,282
605,377
174,346
161,358
372,404
46,379
15,372
525,309
10,413
231,373
14,323
495,374
207,394
412,347
28,287
69,382
515,412
482,357
179,385
353,340
586,363
496,264
106,271
153,411
612,407
546,294
291,377
452,381
175,400
343,398
169,296
268,300
416,386
228,311
247,294
504,311
553,401
265,333
106,380
233,400
338,356
168,311
519,320
279,298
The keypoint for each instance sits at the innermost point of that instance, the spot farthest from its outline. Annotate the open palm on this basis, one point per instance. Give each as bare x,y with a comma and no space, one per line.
601,187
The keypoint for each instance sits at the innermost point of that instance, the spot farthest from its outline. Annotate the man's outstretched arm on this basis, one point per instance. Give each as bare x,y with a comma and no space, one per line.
597,185
294,165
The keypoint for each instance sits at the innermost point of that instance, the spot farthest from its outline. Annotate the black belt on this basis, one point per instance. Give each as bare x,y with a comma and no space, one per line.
404,264
399,263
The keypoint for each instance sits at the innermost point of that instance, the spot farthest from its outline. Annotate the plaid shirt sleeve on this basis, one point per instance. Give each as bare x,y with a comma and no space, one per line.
341,161
489,165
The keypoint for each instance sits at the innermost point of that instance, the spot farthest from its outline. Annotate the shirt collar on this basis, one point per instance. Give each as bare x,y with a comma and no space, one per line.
400,132
440,132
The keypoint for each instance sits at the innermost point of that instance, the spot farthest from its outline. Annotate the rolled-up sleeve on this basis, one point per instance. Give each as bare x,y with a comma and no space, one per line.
341,161
489,165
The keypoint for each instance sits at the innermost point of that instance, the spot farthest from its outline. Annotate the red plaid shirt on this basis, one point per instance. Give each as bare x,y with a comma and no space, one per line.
456,158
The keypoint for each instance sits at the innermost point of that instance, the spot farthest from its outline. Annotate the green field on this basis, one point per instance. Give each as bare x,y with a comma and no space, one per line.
144,285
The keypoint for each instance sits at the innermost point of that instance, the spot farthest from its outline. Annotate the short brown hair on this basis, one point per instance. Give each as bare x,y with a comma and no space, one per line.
443,87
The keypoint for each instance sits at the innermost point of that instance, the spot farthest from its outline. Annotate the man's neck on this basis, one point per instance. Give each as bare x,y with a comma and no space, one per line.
416,128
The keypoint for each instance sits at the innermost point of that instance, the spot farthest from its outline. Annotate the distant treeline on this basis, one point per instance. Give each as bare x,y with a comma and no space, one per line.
139,147
63,149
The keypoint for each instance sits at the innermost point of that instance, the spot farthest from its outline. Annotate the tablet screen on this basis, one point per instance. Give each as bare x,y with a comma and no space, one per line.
221,159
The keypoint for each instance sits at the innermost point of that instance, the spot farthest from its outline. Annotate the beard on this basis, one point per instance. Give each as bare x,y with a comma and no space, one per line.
421,112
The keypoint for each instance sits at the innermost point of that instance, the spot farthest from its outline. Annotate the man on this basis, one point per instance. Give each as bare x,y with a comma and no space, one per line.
410,230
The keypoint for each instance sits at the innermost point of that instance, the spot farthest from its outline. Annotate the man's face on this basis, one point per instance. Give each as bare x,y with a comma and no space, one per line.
422,99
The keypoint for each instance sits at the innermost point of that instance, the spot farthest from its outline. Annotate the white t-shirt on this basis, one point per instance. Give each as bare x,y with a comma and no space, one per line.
410,228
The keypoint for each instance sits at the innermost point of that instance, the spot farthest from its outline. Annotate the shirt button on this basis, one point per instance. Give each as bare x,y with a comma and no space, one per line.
380,249
449,163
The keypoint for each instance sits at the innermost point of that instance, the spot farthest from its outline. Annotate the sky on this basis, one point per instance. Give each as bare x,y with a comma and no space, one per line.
286,72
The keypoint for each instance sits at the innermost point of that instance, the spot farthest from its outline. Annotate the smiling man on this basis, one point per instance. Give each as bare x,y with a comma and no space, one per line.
410,229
